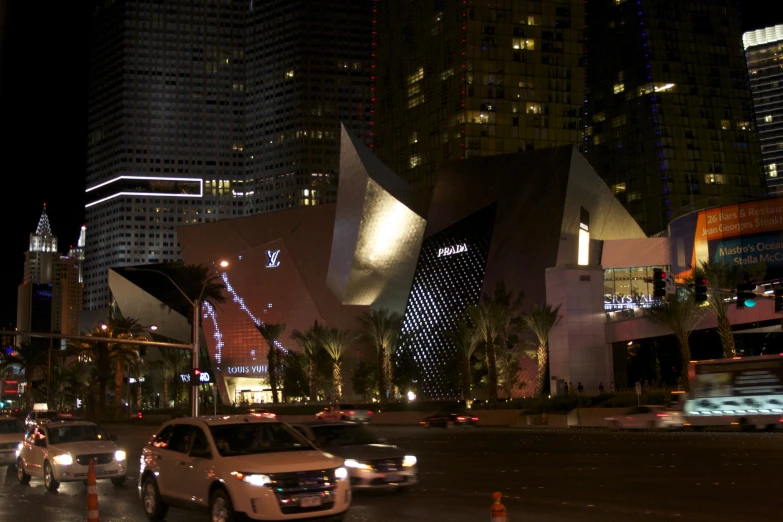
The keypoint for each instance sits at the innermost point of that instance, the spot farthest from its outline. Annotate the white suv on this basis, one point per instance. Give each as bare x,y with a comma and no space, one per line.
61,451
241,464
11,434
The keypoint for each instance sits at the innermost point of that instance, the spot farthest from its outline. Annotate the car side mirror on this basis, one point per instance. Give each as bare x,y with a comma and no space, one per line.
113,438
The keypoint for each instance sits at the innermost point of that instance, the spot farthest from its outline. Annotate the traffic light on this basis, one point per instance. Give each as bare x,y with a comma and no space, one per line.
745,295
700,290
195,376
659,282
779,301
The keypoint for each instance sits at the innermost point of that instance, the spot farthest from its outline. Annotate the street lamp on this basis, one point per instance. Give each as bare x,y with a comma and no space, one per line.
196,304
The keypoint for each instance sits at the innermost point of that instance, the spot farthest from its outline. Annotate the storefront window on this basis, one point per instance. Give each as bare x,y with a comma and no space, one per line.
629,287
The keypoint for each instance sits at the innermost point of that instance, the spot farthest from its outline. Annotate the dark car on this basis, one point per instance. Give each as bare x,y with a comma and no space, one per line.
371,462
449,420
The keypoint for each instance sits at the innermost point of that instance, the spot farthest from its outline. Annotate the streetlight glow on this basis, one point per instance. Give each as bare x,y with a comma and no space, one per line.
153,327
224,263
104,327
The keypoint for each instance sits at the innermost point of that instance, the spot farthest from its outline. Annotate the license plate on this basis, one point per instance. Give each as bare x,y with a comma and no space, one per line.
99,470
308,502
393,478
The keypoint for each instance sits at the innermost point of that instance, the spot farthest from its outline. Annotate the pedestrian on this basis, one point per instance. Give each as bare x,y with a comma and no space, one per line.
601,388
611,387
580,388
571,386
565,388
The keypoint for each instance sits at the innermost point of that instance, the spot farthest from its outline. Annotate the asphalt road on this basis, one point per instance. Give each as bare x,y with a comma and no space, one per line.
544,475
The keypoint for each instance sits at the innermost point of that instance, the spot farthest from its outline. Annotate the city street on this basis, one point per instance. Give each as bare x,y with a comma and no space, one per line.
546,475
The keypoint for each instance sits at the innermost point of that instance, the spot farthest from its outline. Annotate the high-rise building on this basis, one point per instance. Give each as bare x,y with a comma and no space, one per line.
764,53
210,110
50,296
669,116
166,128
308,69
460,79
79,251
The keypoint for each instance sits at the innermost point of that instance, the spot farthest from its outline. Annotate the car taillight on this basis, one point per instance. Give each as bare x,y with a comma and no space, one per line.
474,419
460,418
351,412
272,415
369,412
661,414
140,415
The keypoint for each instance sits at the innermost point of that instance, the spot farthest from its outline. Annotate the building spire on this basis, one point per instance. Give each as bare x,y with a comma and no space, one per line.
44,229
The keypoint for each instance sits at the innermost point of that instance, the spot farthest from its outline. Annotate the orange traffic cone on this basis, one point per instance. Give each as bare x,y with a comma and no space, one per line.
92,494
497,513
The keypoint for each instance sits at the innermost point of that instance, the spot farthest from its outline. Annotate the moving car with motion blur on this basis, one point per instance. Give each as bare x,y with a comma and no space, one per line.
11,434
345,412
60,451
266,414
371,462
241,467
449,420
647,418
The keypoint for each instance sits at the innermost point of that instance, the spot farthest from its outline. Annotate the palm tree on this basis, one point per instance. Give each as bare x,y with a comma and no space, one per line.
382,328
465,340
27,360
171,363
311,342
680,314
137,370
125,328
335,342
198,282
722,280
271,332
106,357
541,321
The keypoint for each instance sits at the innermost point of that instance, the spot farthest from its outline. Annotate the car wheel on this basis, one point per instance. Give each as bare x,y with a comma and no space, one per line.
154,507
220,507
21,475
402,489
49,481
449,425
118,481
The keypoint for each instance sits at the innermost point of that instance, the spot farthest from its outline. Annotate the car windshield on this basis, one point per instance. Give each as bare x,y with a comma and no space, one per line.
10,426
343,435
257,437
82,433
46,415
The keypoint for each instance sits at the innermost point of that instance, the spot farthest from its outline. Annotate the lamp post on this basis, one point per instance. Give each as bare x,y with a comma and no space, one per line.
196,304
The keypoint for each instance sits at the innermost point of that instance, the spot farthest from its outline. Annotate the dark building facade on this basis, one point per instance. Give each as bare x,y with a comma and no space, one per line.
764,52
166,128
669,118
308,69
455,80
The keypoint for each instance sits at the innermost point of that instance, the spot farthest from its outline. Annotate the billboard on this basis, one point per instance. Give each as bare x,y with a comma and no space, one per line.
743,234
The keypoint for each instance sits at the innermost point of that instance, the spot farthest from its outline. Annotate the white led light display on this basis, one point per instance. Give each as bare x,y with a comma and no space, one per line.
146,194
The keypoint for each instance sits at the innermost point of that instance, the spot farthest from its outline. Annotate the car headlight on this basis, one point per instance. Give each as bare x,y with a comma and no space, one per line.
351,463
341,473
409,461
63,460
119,455
253,479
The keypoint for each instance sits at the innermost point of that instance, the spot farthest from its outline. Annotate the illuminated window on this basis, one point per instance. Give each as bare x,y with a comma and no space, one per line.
768,118
533,108
583,256
725,125
523,44
618,188
772,171
289,74
619,87
597,139
663,87
589,131
633,196
714,179
618,121
415,77
600,116
533,20
414,161
743,125
414,89
416,100
414,138
448,73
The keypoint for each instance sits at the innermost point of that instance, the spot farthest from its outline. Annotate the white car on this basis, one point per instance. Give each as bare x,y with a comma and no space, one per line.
241,465
345,412
61,451
647,417
11,434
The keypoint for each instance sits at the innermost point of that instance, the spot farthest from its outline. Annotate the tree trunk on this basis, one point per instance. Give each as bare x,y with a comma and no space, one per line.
337,375
138,395
543,360
165,392
492,372
382,384
271,358
102,382
726,337
685,355
313,382
119,374
389,373
466,379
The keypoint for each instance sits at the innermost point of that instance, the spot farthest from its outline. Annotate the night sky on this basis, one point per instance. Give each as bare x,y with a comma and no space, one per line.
44,60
